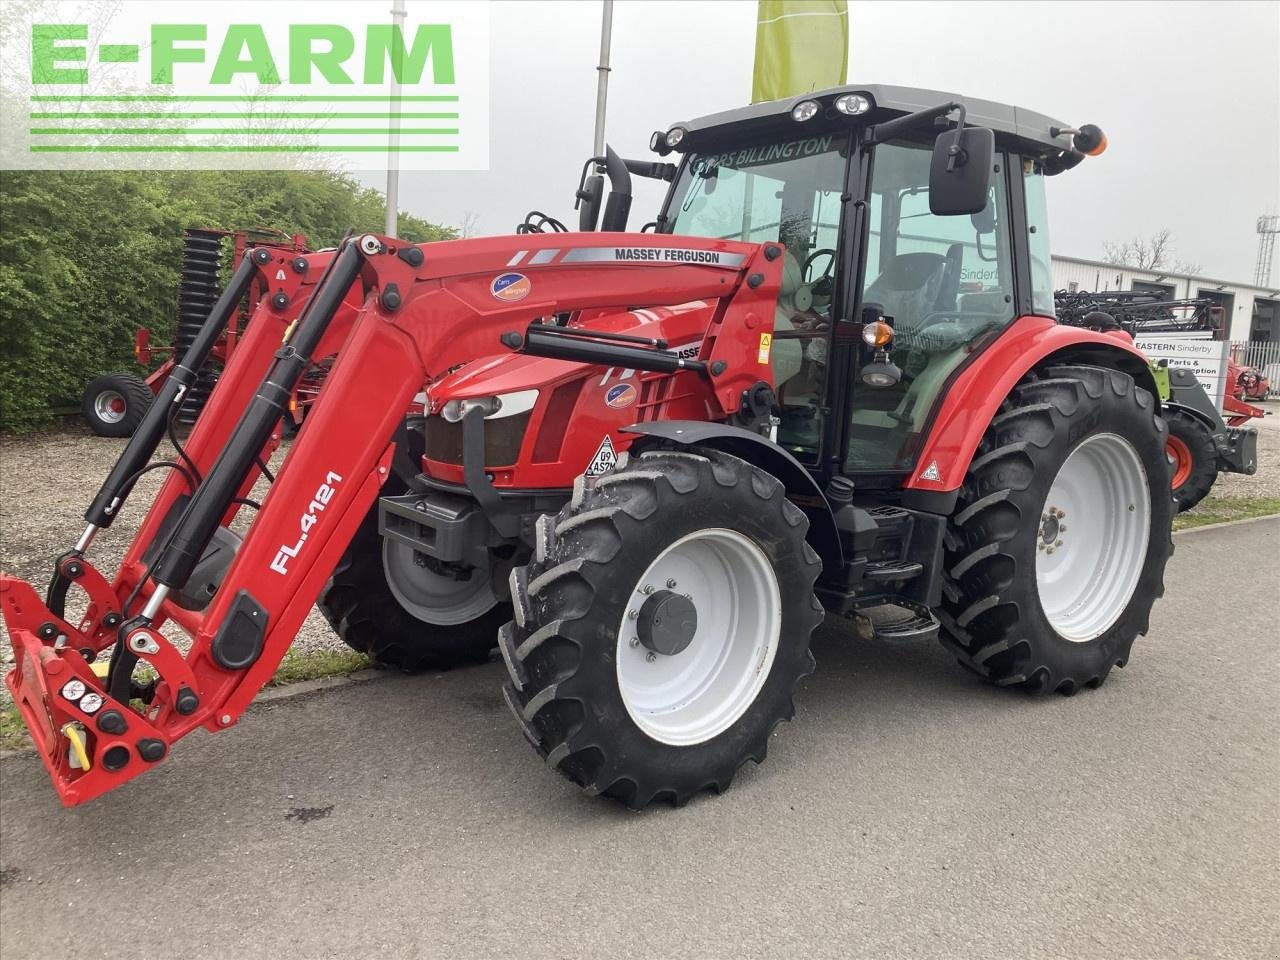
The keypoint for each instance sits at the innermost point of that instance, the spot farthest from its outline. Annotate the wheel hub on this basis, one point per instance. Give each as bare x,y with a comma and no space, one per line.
667,623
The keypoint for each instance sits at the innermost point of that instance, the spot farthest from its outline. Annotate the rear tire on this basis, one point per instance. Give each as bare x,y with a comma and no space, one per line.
1195,458
362,607
1036,602
115,403
635,723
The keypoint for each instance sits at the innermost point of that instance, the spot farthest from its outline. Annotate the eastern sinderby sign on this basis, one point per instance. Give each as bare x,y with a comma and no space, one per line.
1206,358
143,85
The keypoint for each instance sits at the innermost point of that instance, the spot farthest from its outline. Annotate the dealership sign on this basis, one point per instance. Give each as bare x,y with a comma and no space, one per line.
142,85
1205,357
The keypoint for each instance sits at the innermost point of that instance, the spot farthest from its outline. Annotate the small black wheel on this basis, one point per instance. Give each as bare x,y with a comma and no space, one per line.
1057,549
1194,458
386,601
662,626
115,403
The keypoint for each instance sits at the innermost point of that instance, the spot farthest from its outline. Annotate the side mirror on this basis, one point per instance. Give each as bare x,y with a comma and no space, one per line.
589,196
960,171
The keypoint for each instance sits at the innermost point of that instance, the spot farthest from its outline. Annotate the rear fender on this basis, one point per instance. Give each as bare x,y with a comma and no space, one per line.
762,452
975,395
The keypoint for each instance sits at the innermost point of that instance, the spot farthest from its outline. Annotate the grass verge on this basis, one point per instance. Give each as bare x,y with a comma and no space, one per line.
1223,509
294,668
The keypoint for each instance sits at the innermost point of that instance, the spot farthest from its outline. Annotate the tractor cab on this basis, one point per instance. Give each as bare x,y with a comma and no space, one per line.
915,230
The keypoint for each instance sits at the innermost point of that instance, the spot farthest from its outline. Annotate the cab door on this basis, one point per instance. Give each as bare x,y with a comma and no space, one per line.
945,284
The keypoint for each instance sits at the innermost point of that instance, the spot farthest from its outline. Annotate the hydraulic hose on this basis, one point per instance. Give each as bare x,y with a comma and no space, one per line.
146,438
208,504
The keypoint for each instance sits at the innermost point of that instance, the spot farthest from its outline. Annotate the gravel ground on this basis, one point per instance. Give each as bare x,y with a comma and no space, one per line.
48,479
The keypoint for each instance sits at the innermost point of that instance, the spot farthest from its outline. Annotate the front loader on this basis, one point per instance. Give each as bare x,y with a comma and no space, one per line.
827,380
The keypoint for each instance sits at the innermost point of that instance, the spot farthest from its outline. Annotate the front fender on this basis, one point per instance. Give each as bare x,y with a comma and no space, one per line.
802,489
974,396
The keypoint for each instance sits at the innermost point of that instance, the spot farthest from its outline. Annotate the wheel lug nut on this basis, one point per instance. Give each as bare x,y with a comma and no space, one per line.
1058,544
1050,550
651,656
632,614
671,583
647,589
1062,527
635,641
1040,544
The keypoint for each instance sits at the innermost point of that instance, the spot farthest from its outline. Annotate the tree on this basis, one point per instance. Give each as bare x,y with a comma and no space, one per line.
1149,253
87,257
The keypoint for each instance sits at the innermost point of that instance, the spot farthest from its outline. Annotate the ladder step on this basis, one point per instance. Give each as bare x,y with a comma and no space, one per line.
892,570
896,623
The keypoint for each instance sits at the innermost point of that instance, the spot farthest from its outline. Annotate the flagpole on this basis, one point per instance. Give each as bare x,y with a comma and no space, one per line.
602,73
393,157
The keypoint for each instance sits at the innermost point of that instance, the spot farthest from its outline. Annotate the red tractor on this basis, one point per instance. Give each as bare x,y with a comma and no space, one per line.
827,380
114,403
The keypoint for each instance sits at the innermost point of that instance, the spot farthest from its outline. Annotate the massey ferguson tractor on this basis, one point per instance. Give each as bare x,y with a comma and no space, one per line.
827,379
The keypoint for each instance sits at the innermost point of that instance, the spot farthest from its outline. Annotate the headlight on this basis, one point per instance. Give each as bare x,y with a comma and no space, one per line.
503,405
674,136
455,410
852,104
805,110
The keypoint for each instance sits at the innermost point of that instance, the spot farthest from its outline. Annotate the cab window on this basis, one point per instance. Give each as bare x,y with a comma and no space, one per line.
943,282
788,193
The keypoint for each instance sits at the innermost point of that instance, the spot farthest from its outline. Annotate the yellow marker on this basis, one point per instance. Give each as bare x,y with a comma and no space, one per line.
75,733
766,345
101,668
288,331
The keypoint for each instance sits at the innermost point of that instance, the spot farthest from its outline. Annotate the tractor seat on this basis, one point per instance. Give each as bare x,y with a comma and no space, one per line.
909,288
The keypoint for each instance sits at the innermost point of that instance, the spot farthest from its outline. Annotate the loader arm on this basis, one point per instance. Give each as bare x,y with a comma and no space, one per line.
423,310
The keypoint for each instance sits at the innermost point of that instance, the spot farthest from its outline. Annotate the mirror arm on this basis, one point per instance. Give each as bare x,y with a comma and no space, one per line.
955,154
890,129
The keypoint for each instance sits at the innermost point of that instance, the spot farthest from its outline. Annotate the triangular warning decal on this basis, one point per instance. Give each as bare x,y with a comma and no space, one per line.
604,460
280,274
931,472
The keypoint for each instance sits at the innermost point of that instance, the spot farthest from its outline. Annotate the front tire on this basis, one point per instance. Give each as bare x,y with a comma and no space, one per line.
1056,552
662,625
1194,456
377,605
115,403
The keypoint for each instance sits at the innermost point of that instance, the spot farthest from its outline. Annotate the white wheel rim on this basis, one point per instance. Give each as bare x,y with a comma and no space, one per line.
695,695
104,406
432,597
1092,539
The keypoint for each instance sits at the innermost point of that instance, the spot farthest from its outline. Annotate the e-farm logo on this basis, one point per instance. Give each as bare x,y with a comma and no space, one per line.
244,85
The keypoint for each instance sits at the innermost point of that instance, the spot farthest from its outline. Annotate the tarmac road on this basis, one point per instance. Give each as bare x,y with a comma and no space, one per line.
911,811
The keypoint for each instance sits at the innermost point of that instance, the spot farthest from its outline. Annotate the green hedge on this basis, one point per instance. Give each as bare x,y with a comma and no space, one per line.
88,257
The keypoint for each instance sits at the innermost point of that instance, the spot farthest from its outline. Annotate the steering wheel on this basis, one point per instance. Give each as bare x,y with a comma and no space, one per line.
538,222
808,263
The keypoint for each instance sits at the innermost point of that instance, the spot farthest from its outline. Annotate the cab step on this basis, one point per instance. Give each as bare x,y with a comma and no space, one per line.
892,570
897,622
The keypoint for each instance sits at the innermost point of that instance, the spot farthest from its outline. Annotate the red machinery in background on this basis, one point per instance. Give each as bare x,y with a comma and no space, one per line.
114,403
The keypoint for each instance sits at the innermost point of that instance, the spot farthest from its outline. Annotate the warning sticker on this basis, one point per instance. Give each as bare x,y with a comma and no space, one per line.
931,472
606,459
766,345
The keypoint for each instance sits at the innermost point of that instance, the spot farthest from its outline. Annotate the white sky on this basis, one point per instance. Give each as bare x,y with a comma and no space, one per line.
1188,93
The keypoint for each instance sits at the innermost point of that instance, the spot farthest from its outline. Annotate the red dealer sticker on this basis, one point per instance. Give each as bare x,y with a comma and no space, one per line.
511,287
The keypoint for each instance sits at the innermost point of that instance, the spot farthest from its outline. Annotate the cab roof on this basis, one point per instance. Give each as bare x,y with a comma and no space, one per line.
773,117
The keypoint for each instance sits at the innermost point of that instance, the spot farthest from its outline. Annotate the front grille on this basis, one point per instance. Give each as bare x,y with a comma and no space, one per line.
502,439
